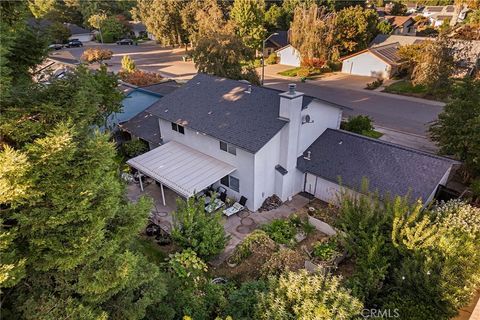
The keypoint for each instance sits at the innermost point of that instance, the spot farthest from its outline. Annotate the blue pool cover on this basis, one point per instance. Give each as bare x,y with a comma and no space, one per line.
135,102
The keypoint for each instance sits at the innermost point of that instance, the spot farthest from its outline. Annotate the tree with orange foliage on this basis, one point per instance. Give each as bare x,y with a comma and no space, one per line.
92,55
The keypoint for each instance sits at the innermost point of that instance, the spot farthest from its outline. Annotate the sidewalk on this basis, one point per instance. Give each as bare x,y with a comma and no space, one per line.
410,140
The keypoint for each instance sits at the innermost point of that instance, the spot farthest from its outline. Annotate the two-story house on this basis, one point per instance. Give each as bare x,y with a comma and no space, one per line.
257,141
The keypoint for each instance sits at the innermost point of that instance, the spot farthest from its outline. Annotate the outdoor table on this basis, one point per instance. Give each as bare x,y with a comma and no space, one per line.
214,205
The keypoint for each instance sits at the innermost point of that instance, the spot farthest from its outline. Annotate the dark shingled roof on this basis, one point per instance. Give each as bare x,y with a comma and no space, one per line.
162,88
279,40
145,126
390,168
223,109
74,29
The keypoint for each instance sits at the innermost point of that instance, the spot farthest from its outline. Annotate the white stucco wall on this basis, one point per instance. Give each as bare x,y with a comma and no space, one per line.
366,64
289,56
243,160
325,190
269,181
324,116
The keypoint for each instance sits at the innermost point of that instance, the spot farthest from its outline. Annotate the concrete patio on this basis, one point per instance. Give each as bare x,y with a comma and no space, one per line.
237,227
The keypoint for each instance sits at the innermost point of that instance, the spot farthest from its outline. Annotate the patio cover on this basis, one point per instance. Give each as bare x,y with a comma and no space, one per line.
182,169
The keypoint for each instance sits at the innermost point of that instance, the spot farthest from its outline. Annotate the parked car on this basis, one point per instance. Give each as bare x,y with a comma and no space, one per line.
74,43
55,46
125,42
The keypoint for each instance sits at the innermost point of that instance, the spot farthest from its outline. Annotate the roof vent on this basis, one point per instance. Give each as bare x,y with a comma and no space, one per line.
292,89
308,156
340,142
249,90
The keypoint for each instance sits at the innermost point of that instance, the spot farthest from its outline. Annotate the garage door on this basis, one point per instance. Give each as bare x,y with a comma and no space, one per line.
321,188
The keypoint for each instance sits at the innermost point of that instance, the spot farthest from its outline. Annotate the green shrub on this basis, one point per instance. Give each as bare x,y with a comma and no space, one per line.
374,84
326,250
280,231
243,300
134,148
334,65
272,59
358,124
198,230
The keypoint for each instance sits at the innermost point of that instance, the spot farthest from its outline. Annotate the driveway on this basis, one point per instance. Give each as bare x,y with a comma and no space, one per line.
148,56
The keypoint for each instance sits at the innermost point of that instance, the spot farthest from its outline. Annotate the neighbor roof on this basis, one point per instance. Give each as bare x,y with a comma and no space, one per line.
144,125
74,29
383,39
162,88
223,109
398,21
340,155
387,53
279,40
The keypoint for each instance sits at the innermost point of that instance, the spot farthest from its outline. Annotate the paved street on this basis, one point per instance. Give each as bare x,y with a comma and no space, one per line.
402,114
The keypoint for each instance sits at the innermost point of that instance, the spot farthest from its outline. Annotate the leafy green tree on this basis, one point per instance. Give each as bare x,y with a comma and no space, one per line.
457,130
355,28
65,223
162,19
200,17
435,65
113,28
299,295
197,229
313,33
58,32
222,53
384,27
74,237
474,18
273,18
397,9
248,18
359,124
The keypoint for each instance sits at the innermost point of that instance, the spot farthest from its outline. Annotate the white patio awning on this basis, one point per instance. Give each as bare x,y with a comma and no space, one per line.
182,169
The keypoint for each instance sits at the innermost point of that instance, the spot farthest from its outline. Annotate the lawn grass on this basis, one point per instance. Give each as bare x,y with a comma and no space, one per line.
150,249
294,71
406,87
372,134
290,72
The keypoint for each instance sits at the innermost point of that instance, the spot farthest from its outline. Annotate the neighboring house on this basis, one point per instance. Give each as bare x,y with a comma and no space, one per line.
438,15
79,33
138,99
257,141
383,39
139,30
380,62
402,25
276,42
289,56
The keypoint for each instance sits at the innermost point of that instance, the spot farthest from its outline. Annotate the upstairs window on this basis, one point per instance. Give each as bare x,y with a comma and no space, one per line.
228,148
178,128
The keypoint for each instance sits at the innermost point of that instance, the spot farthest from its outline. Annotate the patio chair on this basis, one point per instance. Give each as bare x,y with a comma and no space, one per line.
223,196
236,207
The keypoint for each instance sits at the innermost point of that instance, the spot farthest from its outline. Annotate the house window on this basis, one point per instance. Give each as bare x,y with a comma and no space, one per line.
178,128
228,148
231,182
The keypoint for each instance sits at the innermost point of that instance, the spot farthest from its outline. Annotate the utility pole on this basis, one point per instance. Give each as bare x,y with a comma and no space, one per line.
263,55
